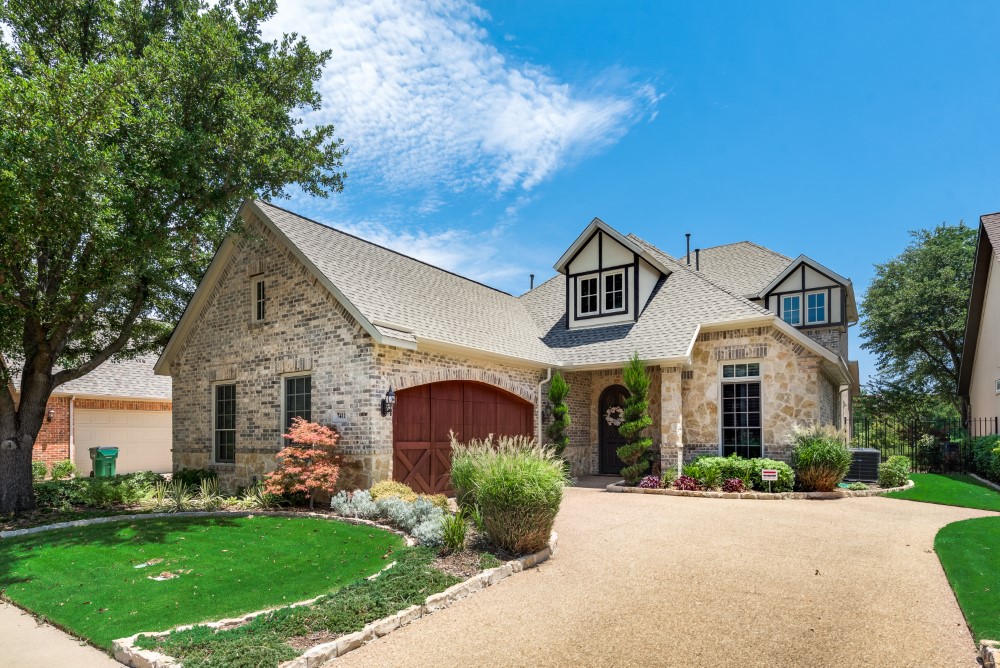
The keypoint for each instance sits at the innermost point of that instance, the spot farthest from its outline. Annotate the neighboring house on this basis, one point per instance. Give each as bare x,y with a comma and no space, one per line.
979,376
294,318
123,404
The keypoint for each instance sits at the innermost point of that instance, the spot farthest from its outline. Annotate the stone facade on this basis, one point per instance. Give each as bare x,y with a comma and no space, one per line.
684,401
305,332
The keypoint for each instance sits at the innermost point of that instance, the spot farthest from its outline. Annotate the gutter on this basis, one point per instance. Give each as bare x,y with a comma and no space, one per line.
538,423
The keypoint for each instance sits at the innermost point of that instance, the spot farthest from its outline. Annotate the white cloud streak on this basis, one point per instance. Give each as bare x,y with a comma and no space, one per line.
425,101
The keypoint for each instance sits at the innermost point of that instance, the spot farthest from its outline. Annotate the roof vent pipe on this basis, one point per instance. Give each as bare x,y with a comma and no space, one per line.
532,282
688,236
697,259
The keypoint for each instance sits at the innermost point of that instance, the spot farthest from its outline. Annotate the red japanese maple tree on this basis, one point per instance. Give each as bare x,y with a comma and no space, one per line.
308,464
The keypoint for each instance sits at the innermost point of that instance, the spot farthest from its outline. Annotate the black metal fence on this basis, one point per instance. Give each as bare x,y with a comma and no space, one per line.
932,444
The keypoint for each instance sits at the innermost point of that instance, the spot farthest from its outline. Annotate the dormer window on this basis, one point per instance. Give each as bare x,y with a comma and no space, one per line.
791,310
614,292
815,307
588,295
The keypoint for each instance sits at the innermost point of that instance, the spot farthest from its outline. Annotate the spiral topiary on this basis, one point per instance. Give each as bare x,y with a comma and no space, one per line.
637,420
556,431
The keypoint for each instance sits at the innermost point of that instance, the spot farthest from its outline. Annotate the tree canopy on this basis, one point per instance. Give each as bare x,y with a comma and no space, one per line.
914,315
130,132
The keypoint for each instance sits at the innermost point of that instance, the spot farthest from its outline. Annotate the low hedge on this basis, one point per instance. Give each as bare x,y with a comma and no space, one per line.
746,470
894,471
986,457
95,492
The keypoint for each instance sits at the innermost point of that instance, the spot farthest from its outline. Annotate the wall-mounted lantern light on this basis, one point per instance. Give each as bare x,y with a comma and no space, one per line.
52,415
388,402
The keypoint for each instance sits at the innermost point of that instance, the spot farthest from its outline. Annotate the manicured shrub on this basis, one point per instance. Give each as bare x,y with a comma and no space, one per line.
308,464
429,533
650,482
193,477
38,471
747,470
517,486
820,458
64,468
687,483
121,490
893,471
734,486
637,420
556,431
986,457
857,487
439,500
391,488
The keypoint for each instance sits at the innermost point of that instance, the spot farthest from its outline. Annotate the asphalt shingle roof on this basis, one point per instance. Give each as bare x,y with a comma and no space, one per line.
408,299
405,297
131,379
991,224
743,267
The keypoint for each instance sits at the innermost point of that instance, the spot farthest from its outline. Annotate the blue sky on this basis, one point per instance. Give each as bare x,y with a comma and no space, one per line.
485,137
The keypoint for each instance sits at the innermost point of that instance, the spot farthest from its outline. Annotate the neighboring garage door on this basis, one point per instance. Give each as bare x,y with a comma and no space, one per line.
142,438
424,415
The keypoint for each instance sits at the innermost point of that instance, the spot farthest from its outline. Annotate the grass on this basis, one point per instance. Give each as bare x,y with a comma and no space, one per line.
950,490
86,579
264,641
970,554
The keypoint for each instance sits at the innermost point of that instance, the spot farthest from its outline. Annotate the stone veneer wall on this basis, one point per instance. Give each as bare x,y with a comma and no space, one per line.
306,332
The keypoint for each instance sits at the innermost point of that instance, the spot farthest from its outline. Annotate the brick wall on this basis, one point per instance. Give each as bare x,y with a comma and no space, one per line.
52,444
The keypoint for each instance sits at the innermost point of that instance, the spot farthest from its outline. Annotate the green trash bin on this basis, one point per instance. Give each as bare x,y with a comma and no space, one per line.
104,460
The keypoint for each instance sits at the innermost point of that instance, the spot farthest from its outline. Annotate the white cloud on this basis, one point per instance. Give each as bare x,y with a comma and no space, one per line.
424,100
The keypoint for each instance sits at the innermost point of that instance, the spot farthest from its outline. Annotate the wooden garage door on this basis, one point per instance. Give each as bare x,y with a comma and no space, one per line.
424,415
142,437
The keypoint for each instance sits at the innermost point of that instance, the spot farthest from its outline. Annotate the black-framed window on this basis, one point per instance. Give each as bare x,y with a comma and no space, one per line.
614,291
588,295
298,399
741,418
225,423
260,301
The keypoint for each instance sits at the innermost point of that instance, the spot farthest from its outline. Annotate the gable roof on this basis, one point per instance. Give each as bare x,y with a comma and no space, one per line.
744,267
987,253
128,379
597,224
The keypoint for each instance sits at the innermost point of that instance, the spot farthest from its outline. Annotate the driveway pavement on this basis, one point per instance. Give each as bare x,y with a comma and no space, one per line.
25,643
643,580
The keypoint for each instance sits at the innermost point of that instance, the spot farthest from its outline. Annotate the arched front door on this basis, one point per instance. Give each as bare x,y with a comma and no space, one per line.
425,414
610,440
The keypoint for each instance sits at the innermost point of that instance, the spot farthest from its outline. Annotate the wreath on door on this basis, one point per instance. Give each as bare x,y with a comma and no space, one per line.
615,416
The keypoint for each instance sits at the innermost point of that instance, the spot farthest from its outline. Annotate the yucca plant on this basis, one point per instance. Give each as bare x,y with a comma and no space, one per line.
208,493
158,495
256,497
179,496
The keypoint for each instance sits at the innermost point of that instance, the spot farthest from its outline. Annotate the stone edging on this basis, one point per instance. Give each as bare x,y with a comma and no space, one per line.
840,494
989,653
127,653
986,482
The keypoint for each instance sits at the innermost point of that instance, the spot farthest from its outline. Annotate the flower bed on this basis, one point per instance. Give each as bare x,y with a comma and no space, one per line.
620,486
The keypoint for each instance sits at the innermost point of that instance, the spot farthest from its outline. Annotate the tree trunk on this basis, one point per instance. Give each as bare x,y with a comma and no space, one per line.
16,493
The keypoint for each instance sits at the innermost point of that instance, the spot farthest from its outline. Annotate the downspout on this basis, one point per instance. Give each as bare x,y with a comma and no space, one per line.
72,442
538,422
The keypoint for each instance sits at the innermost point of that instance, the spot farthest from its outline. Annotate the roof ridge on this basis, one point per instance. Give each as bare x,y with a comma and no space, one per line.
539,286
385,248
698,274
751,243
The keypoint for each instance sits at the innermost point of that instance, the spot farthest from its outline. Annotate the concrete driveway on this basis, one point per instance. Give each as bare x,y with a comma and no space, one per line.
643,580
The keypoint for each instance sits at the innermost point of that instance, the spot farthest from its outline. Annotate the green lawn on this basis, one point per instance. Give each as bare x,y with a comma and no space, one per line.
950,490
970,554
86,580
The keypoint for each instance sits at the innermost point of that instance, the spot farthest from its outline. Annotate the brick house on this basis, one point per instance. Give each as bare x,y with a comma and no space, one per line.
123,404
294,318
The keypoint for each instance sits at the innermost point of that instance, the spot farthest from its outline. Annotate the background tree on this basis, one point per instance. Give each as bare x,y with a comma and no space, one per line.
914,313
556,431
308,464
637,420
130,131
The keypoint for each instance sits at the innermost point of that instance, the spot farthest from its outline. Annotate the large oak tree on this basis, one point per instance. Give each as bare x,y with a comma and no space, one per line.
130,131
914,318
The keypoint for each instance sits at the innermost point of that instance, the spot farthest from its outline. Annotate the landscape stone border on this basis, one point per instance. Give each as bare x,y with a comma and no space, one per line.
989,653
127,653
990,483
839,494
